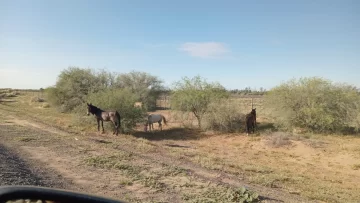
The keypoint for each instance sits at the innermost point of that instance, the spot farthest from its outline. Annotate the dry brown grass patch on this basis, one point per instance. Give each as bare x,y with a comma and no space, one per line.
278,139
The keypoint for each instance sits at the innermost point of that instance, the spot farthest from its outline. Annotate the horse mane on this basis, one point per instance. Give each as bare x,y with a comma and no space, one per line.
96,109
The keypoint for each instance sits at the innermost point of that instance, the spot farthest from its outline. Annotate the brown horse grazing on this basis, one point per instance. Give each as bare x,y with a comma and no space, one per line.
102,116
251,121
153,118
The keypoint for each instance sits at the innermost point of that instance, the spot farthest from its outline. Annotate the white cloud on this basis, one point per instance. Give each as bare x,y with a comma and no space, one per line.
204,49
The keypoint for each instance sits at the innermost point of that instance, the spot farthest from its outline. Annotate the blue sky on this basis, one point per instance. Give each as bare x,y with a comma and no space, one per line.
238,43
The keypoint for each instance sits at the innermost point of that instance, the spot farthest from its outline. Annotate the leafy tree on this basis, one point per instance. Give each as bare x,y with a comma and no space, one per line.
73,86
315,104
147,87
195,95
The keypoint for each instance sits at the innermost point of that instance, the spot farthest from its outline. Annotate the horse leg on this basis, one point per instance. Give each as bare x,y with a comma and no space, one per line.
102,125
114,123
98,122
116,127
254,125
247,128
160,126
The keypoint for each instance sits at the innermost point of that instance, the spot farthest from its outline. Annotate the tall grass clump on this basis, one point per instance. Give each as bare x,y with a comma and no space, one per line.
314,104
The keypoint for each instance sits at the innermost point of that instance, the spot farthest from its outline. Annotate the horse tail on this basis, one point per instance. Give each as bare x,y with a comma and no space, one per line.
118,117
164,119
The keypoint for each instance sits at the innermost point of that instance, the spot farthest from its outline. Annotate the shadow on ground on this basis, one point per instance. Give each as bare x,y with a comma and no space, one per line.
171,134
265,127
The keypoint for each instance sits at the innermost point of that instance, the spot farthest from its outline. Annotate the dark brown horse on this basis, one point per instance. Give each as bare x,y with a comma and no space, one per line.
251,121
102,116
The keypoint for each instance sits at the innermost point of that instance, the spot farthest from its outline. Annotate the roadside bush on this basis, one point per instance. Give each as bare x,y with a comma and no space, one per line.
73,86
224,116
314,104
121,100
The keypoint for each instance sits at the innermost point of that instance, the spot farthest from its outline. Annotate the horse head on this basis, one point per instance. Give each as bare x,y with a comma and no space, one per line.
89,108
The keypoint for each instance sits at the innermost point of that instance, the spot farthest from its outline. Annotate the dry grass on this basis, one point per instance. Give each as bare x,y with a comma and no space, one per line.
356,167
37,99
308,165
278,139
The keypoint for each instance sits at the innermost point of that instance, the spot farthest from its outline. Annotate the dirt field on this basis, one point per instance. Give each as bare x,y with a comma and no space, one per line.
182,165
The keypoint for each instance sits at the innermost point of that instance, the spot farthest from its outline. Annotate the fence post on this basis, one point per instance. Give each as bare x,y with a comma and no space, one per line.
252,103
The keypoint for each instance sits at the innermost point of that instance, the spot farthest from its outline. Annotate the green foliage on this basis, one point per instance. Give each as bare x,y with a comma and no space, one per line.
223,194
72,87
248,91
314,104
145,86
76,85
243,195
223,116
195,95
121,100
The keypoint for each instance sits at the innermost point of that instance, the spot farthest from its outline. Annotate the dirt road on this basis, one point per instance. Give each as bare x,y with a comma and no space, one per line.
15,171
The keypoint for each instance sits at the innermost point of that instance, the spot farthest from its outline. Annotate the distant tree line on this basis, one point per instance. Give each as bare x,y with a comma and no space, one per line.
248,91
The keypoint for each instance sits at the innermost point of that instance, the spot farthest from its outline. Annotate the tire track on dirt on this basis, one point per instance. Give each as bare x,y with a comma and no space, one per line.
89,179
15,171
214,176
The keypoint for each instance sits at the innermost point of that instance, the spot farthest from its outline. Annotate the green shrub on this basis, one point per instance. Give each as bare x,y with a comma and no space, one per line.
145,86
243,195
224,116
121,100
314,104
195,95
73,86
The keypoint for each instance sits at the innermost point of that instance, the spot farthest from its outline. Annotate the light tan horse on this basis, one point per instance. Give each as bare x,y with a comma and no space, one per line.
138,104
154,118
